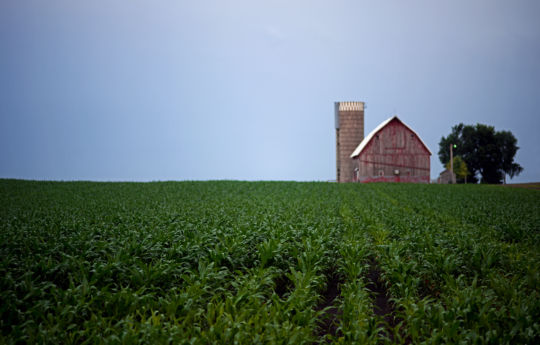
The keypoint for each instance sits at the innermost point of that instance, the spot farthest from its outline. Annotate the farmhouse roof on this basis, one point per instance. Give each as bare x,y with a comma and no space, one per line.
367,139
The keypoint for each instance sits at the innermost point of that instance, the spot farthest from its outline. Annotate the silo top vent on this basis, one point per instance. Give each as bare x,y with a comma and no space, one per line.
351,106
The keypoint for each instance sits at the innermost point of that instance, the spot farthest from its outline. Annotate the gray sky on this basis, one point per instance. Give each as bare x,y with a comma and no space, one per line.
159,90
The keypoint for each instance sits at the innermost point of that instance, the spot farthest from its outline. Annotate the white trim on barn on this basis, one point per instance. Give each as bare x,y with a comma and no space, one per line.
366,140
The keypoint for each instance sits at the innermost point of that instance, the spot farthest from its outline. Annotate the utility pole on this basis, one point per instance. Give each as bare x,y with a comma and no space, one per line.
452,163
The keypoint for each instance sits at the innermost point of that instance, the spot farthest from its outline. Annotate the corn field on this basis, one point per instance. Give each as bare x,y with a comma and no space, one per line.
225,262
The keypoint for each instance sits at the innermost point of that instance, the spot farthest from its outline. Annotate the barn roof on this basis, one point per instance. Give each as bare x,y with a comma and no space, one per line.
367,139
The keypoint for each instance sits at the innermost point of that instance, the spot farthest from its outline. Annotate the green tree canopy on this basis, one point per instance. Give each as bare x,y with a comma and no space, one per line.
460,168
486,152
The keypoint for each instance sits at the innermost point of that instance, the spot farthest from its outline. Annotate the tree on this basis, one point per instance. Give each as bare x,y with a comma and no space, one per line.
460,168
486,152
508,144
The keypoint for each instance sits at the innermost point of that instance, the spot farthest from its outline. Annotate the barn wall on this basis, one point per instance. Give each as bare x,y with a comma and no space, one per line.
349,133
394,148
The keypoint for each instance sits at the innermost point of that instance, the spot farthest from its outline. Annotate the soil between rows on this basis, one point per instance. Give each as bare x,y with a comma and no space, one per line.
329,320
382,305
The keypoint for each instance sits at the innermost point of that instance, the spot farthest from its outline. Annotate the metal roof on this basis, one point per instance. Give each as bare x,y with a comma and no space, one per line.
366,140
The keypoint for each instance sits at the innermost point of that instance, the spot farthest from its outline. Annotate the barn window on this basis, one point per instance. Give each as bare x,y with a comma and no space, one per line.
381,172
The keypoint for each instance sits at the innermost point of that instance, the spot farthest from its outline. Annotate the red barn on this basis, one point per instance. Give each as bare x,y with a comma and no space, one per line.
392,152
